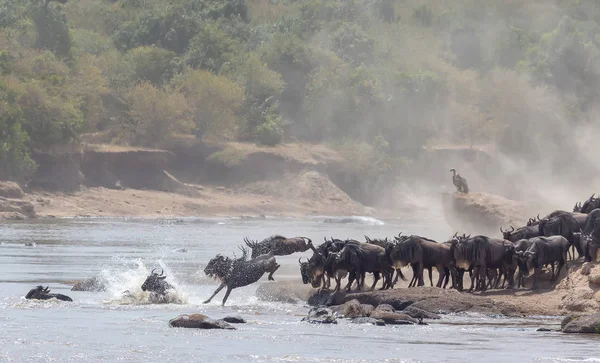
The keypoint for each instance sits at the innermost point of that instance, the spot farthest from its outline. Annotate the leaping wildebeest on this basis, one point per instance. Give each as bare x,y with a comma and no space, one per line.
41,293
279,246
234,273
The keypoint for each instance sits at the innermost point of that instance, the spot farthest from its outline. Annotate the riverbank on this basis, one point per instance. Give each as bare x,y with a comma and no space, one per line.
209,202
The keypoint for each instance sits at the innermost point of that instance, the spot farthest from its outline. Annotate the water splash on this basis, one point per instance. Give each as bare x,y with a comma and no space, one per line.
124,285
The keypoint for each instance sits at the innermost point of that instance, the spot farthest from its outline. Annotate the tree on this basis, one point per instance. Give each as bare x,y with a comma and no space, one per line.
214,101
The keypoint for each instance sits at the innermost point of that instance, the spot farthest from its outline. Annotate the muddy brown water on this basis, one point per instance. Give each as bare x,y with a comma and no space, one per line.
101,327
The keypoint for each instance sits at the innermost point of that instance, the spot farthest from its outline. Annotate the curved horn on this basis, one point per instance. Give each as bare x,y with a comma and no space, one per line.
501,231
367,239
162,272
299,260
455,235
512,229
152,272
538,217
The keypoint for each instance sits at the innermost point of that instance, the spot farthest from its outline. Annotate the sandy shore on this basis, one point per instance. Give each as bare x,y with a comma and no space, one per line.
209,202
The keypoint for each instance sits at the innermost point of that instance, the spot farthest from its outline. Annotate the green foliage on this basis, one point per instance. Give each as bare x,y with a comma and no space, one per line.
210,48
154,115
230,156
151,64
15,162
270,132
214,102
52,30
50,119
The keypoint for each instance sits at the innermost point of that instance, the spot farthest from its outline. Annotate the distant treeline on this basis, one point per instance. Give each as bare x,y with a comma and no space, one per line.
377,79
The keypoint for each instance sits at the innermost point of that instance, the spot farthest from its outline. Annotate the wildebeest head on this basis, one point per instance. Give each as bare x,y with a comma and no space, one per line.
218,267
592,246
507,234
306,278
315,269
156,283
522,258
43,290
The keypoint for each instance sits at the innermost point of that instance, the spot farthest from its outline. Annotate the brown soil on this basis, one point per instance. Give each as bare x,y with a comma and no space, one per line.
273,199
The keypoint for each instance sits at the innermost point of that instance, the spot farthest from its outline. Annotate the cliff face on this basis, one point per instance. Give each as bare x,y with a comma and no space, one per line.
483,213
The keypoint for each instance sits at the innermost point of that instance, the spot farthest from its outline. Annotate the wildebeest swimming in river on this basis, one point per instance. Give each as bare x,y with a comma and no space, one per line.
156,283
459,182
234,273
41,293
279,246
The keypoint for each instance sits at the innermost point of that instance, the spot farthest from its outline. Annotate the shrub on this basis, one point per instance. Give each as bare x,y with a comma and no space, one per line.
15,162
154,114
210,48
52,30
151,64
214,101
49,119
270,132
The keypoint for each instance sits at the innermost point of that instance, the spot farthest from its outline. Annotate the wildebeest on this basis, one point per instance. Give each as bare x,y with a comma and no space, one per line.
421,253
481,253
525,232
313,270
156,283
563,224
234,273
41,293
459,182
590,245
592,223
279,246
590,204
543,251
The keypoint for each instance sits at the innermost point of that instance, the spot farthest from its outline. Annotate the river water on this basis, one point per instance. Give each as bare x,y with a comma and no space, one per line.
104,327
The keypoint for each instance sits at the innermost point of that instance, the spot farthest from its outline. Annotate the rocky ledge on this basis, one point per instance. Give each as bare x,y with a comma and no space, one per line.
587,324
12,207
424,301
483,212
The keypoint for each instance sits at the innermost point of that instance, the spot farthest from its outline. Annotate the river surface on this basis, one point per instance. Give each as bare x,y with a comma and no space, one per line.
104,327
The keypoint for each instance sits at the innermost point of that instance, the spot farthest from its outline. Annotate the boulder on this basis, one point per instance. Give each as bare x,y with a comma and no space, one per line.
393,318
352,309
589,324
198,321
10,190
385,307
234,320
416,313
320,315
365,320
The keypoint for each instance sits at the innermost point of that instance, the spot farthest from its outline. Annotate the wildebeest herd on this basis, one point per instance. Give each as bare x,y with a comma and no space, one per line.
492,262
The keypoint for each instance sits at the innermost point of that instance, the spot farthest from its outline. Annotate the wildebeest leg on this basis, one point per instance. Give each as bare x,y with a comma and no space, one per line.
441,275
338,282
216,292
273,271
226,295
552,266
536,272
430,276
375,279
420,275
351,277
